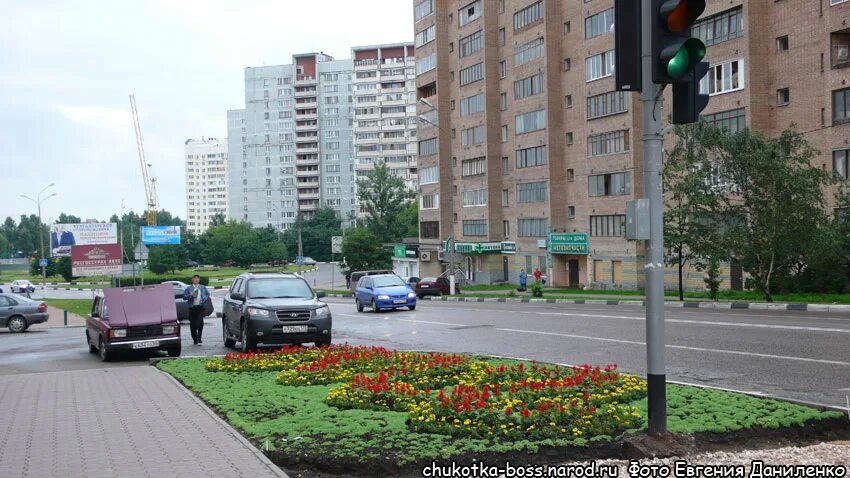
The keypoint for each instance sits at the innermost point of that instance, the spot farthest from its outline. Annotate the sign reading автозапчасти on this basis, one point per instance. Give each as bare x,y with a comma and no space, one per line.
568,243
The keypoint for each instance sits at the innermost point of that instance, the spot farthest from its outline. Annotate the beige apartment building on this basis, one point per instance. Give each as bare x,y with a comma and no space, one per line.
527,154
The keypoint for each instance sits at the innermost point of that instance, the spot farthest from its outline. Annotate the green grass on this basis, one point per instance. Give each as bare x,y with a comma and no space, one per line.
296,421
81,307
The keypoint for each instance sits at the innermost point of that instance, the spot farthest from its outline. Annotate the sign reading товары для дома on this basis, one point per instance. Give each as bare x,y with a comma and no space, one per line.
568,243
64,236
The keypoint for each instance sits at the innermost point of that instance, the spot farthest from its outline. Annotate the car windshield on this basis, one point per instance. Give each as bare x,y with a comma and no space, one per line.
429,279
388,281
279,289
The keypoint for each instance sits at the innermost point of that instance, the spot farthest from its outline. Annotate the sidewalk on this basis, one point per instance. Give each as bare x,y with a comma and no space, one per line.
133,421
57,319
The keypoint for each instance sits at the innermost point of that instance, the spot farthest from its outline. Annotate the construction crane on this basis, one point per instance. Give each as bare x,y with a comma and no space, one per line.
150,181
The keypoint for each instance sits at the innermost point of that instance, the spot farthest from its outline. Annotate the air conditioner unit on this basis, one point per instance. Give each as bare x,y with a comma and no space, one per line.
425,256
441,256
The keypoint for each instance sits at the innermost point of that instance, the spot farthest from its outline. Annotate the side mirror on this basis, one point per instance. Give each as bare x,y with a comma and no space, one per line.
237,296
320,295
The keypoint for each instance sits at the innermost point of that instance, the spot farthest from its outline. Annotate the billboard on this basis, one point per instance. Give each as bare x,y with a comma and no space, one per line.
160,235
65,236
96,260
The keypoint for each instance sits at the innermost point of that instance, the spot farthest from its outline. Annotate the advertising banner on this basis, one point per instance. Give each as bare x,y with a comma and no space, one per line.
96,260
160,235
65,236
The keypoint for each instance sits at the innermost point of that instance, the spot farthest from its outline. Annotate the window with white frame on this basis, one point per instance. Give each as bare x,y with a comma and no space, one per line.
533,85
841,163
531,192
533,227
530,157
473,167
472,136
471,74
429,201
332,168
532,121
471,105
528,15
599,66
475,227
475,197
426,36
469,13
429,175
470,44
528,51
598,24
423,9
427,63
613,225
428,147
612,142
612,184
723,78
606,104
720,27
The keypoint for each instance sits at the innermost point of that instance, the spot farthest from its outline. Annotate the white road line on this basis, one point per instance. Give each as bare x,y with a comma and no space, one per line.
682,347
400,320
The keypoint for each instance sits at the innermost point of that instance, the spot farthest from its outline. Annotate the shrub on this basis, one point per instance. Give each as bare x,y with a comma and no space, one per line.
712,279
537,289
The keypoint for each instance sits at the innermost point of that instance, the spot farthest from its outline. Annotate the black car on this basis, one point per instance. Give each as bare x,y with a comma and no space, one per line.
274,309
178,288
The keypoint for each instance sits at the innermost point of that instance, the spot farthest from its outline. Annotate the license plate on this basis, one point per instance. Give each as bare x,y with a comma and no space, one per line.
290,329
399,301
425,286
146,345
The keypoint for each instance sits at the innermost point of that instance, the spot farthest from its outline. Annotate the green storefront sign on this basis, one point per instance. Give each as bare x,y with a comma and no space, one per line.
485,247
400,251
568,243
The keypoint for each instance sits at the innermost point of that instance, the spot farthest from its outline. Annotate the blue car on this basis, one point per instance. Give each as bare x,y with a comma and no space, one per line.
384,291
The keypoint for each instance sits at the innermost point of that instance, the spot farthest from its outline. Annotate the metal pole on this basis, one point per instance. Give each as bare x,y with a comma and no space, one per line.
652,150
142,261
41,239
333,266
300,247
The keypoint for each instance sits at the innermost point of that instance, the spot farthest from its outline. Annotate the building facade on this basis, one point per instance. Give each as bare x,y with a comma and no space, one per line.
385,110
206,182
294,142
529,154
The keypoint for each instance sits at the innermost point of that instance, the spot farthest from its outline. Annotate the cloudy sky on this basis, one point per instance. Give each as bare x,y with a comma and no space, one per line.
67,68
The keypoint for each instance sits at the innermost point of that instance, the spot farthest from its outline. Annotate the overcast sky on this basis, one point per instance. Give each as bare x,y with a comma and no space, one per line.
67,68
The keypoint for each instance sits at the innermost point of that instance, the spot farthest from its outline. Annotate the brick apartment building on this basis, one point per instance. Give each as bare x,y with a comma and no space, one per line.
533,154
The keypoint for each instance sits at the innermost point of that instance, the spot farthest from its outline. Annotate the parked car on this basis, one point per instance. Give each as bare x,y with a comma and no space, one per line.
22,286
133,318
18,313
309,261
356,276
412,281
179,288
192,264
274,308
435,286
385,291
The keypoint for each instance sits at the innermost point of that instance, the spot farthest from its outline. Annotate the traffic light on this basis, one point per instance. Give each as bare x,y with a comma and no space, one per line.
627,45
674,52
687,100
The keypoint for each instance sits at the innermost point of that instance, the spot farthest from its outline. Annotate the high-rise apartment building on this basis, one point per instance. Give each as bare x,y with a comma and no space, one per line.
294,138
385,109
206,182
535,153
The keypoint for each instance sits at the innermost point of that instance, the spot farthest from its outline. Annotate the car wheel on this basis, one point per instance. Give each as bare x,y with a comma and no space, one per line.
175,351
17,324
412,307
104,354
247,344
324,342
92,348
420,296
359,305
375,308
228,342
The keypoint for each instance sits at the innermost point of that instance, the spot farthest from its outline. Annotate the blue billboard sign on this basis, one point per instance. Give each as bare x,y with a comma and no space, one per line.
160,235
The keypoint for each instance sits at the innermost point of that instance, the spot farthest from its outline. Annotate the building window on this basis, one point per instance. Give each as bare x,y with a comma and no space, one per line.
426,36
472,74
505,198
733,120
599,66
471,105
598,24
533,85
423,9
428,147
503,70
568,64
570,139
530,157
721,27
504,133
606,104
429,230
568,101
475,197
503,101
841,163
612,184
608,143
529,51
571,175
501,37
472,136
528,122
473,167
528,15
571,212
723,78
783,96
608,226
506,228
841,106
427,63
533,227
782,43
470,13
470,44
474,227
429,175
531,192
505,165
429,201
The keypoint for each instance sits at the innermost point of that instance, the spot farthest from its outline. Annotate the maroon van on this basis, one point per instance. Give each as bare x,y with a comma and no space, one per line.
134,318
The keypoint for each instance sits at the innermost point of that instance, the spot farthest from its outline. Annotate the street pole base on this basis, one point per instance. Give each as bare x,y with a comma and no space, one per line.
657,404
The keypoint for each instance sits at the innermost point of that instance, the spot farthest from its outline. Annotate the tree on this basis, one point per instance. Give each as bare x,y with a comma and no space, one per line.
409,219
316,234
218,219
776,206
166,258
68,219
691,227
63,268
384,196
362,250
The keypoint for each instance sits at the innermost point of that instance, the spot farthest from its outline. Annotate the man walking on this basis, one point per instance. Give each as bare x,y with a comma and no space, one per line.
196,295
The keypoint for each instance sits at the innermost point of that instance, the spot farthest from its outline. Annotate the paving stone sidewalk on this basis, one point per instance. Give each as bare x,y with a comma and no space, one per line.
128,422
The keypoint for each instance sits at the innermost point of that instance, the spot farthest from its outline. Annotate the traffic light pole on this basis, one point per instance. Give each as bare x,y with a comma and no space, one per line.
652,187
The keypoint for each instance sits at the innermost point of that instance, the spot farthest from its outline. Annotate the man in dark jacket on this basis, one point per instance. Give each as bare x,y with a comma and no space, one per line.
196,295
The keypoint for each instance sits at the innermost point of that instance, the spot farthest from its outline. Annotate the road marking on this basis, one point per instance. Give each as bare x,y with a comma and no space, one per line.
400,320
683,347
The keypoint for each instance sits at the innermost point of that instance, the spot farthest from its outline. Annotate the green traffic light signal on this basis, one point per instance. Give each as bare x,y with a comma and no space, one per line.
684,58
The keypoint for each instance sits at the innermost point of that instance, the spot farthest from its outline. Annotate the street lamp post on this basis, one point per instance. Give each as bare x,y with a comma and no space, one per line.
38,202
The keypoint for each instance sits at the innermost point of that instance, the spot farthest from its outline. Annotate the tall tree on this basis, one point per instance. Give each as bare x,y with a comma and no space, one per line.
384,196
68,219
362,250
316,234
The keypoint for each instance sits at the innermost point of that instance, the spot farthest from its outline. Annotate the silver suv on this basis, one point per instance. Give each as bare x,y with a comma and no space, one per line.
274,309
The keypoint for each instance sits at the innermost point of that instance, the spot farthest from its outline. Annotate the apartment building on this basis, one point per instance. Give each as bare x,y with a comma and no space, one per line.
206,182
294,142
385,110
528,155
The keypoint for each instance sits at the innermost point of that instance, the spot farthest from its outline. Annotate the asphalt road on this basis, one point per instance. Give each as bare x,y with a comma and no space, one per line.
798,355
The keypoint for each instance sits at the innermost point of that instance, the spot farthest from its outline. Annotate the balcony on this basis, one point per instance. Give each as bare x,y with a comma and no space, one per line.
307,104
395,140
392,77
394,127
367,64
307,138
305,93
307,173
308,196
367,140
306,162
306,149
305,80
307,127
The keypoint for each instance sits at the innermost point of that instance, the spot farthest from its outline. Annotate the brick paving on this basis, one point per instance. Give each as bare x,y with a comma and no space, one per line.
128,422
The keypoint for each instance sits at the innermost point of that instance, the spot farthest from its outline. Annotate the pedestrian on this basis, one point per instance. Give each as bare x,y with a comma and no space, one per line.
196,295
523,280
538,276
